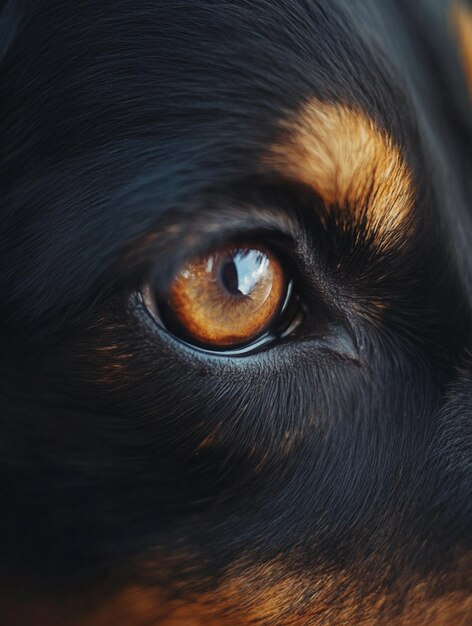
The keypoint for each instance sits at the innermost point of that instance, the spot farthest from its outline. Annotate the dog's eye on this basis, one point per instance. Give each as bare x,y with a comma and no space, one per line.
224,300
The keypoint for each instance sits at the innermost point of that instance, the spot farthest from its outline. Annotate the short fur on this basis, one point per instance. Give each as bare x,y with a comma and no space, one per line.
324,479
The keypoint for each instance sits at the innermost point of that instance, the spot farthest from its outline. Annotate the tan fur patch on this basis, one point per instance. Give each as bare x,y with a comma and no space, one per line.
348,160
461,18
266,595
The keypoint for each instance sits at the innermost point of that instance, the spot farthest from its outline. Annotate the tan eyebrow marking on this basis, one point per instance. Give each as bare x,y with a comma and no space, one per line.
348,160
461,19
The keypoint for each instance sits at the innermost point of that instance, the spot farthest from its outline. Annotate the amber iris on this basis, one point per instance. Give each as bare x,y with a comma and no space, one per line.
229,297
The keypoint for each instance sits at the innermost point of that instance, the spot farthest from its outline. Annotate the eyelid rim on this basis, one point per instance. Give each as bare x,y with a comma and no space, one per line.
244,350
280,243
157,255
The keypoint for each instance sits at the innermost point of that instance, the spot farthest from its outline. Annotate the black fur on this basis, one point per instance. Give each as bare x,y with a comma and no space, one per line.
131,133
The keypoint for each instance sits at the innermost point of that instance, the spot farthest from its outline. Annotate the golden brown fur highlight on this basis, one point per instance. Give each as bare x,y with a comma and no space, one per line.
349,161
267,594
461,18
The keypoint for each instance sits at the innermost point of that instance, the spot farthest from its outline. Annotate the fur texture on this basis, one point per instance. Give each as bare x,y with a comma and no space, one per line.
323,479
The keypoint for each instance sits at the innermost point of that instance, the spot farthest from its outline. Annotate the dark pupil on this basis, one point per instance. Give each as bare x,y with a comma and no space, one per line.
229,277
241,273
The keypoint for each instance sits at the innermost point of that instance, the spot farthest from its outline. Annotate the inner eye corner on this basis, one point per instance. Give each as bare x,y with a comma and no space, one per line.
234,298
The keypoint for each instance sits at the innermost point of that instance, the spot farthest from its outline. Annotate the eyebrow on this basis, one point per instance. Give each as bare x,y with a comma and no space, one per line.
350,162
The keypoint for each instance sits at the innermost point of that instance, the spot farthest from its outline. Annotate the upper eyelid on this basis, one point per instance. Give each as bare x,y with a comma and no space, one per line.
162,252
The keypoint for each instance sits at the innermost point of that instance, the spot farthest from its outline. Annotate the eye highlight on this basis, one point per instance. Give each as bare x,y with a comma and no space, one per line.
226,299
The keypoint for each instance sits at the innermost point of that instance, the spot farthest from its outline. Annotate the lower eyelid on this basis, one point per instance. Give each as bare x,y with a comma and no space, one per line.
336,342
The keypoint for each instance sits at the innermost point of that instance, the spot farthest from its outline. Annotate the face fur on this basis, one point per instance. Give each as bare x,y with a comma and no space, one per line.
235,317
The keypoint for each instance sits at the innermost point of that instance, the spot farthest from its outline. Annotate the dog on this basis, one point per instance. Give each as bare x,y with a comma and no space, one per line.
236,305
